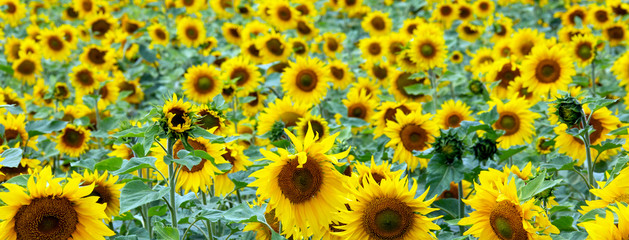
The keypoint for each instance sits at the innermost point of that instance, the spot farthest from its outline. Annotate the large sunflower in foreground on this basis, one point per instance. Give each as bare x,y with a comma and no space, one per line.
105,188
50,210
500,215
614,191
547,69
516,120
73,140
203,83
306,80
608,227
452,114
412,132
387,210
304,188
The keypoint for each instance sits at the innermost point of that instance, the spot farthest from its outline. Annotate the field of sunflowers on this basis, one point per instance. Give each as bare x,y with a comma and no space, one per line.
314,119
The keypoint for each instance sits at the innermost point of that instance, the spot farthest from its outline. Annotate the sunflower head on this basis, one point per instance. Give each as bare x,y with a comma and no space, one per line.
476,87
449,146
569,110
177,117
484,149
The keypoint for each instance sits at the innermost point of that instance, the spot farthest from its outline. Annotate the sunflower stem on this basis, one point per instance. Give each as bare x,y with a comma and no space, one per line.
461,206
588,154
97,113
433,84
452,93
207,222
172,178
593,77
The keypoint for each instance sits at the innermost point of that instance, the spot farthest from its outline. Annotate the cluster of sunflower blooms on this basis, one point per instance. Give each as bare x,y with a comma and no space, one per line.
358,113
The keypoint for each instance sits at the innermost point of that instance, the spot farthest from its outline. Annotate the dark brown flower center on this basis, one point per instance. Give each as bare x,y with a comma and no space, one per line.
303,28
616,33
300,184
208,120
299,48
192,33
306,80
241,74
96,56
26,67
464,12
389,115
576,14
337,73
85,77
548,71
196,145
303,9
506,222
414,137
11,8
46,218
100,27
525,49
374,49
332,44
445,10
427,50
387,218
378,23
317,128
55,43
159,33
357,110
204,84
275,46
73,138
584,51
284,13
454,120
509,122
601,16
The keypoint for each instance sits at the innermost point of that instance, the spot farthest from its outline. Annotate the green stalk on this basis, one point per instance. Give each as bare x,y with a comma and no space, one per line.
207,222
461,206
172,182
593,77
588,154
433,84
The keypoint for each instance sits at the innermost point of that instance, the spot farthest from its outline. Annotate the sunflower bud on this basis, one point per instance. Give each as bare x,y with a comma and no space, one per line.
277,131
569,110
476,87
484,149
450,146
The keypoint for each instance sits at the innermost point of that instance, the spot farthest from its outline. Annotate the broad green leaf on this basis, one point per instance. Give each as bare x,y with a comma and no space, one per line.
596,103
40,127
489,117
619,131
137,193
417,89
131,132
11,157
148,54
166,232
110,164
245,214
136,163
159,210
609,144
564,223
504,154
187,159
440,174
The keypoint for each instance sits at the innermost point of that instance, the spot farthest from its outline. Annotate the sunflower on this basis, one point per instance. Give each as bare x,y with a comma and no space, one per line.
372,49
133,86
192,6
132,27
253,29
544,145
599,16
381,72
410,25
482,61
207,46
232,33
239,162
575,11
503,71
394,44
14,127
249,49
465,11
332,43
282,15
177,114
26,67
469,32
517,89
306,80
261,230
85,8
159,34
412,132
621,69
60,91
73,140
40,92
377,23
306,28
105,188
253,107
245,74
603,121
502,49
386,113
203,83
85,80
341,76
213,120
69,35
365,84
12,48
318,125
398,83
281,110
199,177
273,47
100,24
299,47
304,188
453,191
456,57
616,33
49,210
583,49
54,47
452,114
566,34
547,70
220,7
502,29
24,167
611,192
360,105
387,209
500,215
484,8
428,50
523,41
190,31
14,11
607,227
445,12
30,47
376,172
516,120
